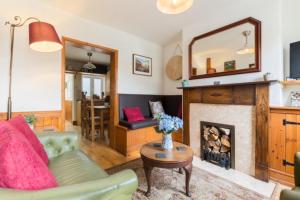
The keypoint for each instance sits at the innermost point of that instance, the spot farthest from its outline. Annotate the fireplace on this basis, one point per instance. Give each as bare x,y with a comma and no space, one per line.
217,144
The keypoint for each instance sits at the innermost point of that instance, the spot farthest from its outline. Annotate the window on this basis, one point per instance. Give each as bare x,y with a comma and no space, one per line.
93,85
86,86
98,89
69,90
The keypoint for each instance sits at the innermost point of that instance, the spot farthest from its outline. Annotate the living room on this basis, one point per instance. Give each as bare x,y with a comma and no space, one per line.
176,99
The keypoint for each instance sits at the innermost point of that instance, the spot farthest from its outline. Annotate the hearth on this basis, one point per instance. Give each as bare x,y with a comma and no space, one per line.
217,144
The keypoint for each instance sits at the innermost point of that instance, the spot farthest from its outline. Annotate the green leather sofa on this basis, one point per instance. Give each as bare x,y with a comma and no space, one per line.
78,177
293,194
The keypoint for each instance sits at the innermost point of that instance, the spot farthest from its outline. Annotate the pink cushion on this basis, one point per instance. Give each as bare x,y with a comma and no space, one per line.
133,114
20,166
21,125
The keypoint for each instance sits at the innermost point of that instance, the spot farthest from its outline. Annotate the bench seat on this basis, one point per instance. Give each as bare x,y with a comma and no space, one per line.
140,124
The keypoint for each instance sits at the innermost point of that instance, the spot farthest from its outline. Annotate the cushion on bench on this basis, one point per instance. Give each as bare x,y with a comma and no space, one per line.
140,124
171,104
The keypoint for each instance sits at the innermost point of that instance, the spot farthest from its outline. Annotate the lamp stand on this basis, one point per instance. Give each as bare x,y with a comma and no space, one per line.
17,23
9,102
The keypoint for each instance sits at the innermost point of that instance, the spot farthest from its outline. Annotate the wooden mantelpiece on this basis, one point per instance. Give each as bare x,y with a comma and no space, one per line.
251,93
231,84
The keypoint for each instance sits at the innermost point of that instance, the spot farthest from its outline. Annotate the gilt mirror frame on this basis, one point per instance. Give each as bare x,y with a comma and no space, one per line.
257,26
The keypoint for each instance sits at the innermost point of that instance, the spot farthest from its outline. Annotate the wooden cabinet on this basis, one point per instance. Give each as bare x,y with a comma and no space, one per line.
284,142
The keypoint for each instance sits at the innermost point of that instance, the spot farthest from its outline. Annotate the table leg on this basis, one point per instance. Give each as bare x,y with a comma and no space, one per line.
180,171
188,173
148,170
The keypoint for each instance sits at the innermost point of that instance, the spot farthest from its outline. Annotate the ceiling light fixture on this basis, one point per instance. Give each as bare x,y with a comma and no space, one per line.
173,6
246,49
89,65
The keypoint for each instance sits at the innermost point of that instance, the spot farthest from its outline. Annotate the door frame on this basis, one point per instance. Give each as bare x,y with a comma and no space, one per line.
114,102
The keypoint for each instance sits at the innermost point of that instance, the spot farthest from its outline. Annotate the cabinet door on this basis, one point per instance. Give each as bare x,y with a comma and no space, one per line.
277,142
292,141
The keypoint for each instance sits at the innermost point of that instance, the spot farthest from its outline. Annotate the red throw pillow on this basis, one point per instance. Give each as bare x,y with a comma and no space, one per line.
20,166
133,114
21,125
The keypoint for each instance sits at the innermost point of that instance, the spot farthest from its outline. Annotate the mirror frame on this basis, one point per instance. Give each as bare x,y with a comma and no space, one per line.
257,25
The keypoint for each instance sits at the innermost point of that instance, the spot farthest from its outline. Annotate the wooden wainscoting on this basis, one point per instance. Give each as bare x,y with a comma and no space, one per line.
69,110
129,142
46,120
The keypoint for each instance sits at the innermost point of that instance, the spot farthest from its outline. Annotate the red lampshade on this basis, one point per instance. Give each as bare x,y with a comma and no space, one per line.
43,37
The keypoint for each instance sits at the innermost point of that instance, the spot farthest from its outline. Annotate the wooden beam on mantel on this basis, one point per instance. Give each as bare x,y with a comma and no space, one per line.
231,84
250,93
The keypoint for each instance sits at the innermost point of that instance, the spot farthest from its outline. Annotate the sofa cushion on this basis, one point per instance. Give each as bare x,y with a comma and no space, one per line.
141,124
156,107
20,124
133,114
75,167
20,166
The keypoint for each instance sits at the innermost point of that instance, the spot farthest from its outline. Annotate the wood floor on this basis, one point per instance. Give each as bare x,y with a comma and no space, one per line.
99,151
103,155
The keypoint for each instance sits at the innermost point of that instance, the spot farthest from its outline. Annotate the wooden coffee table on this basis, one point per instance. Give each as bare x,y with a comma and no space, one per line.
181,157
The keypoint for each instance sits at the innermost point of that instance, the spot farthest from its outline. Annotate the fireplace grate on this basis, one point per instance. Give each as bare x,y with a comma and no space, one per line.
217,144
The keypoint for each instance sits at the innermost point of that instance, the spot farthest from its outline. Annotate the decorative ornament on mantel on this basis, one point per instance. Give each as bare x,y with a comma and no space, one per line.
174,6
174,65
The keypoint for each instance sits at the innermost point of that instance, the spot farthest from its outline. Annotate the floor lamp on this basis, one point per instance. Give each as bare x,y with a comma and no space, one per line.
42,38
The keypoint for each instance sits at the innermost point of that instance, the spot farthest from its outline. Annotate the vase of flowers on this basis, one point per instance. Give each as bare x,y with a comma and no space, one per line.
167,126
30,119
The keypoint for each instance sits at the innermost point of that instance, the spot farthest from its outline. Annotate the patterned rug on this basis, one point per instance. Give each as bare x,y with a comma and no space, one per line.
170,185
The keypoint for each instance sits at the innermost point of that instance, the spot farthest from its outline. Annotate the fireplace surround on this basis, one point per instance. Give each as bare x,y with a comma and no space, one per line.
248,93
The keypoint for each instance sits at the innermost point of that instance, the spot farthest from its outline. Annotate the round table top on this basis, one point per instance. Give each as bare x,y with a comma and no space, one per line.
180,153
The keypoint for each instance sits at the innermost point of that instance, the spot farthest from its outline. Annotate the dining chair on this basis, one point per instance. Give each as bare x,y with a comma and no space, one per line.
95,122
84,115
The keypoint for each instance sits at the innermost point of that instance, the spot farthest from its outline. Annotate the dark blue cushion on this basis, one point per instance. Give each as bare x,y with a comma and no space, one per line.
140,124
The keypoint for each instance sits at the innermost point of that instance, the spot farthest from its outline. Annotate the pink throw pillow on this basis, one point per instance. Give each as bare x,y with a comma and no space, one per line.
133,114
21,125
20,166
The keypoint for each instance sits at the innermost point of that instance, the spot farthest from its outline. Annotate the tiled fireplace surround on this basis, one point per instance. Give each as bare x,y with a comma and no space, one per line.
244,106
242,117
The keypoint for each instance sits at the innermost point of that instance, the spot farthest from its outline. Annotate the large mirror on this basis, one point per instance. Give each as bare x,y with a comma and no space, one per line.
233,49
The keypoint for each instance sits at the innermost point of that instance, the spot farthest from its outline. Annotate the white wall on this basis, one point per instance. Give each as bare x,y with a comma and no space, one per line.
290,34
170,86
269,12
290,28
37,76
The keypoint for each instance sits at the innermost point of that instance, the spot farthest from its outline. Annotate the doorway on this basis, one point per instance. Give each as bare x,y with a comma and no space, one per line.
89,76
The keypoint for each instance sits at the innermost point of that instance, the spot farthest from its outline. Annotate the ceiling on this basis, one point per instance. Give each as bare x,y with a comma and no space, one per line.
140,17
79,53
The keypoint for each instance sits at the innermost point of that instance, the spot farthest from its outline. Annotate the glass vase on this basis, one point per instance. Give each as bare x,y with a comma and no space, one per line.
167,143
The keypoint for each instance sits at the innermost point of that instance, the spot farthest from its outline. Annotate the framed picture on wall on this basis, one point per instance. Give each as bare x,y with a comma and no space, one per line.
142,65
229,65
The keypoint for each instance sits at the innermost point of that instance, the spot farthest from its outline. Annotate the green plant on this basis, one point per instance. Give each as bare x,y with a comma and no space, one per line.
30,119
